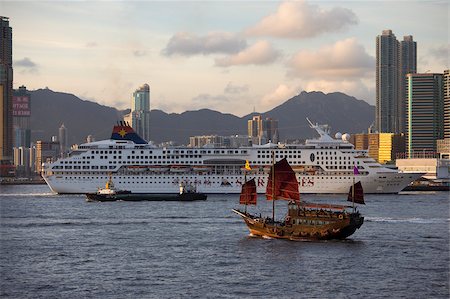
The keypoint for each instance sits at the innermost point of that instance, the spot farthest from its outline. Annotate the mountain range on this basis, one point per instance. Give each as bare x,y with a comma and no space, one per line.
50,109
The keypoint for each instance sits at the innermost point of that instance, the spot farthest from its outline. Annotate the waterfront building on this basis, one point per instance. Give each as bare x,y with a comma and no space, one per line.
22,161
360,141
47,151
425,115
408,65
21,117
6,97
139,117
262,130
446,104
384,147
443,148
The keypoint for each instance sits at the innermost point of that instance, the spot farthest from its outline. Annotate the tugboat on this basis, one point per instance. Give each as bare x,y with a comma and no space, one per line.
304,221
188,192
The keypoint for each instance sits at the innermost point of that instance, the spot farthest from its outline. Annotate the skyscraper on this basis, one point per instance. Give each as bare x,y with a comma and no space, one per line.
393,61
262,130
6,93
63,140
387,82
21,117
139,117
425,115
446,104
408,65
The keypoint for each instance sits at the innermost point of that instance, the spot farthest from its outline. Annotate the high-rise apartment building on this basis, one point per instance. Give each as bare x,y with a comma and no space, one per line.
139,117
262,130
387,82
393,61
6,94
446,104
425,114
408,65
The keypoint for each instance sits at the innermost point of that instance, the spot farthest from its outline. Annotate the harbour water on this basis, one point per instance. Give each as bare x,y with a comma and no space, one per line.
60,246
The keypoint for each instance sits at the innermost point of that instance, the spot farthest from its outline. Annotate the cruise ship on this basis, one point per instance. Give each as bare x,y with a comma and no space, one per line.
322,165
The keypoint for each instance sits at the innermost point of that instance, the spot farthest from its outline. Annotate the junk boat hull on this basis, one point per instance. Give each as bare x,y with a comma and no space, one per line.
325,226
128,196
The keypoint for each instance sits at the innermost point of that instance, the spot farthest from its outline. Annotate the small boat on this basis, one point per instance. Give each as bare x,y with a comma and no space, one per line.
110,193
303,221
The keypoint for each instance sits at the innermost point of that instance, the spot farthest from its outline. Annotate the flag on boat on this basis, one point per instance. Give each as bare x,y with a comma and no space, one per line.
355,170
247,165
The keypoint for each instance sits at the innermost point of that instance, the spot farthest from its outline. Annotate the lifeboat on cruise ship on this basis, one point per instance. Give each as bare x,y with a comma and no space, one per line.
136,168
201,168
156,168
179,168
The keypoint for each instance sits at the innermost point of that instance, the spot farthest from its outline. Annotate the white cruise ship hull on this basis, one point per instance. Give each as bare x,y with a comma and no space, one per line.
385,183
323,165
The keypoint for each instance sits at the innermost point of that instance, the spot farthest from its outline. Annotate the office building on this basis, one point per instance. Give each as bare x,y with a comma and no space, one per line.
385,147
6,96
139,117
21,117
425,114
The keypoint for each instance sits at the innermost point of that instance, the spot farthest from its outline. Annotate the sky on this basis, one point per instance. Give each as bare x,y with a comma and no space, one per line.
231,56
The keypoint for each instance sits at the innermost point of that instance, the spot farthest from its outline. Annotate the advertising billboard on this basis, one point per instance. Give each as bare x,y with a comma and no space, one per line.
21,105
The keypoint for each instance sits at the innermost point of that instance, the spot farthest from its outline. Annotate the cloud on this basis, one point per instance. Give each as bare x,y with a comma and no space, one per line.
278,96
205,98
235,89
139,53
91,44
187,44
261,52
299,19
26,65
344,59
441,54
356,88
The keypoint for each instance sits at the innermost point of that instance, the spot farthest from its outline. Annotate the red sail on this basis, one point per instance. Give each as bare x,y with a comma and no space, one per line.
358,195
285,183
248,193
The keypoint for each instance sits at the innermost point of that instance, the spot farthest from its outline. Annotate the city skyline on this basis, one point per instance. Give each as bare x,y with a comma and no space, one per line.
231,58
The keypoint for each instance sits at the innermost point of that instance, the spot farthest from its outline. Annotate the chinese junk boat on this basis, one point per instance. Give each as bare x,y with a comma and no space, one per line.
303,220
